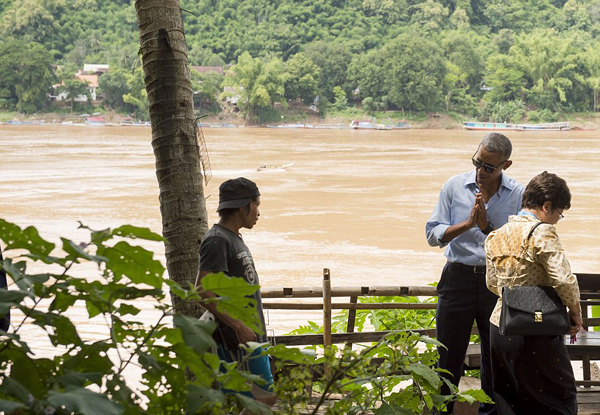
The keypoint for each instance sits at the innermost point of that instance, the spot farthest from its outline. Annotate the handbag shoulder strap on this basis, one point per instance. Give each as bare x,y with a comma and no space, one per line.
523,250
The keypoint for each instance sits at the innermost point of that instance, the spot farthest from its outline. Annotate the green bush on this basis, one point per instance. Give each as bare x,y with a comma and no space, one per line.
86,376
173,353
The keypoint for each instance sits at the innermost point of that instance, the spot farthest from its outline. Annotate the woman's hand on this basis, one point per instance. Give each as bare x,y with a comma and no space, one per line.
576,321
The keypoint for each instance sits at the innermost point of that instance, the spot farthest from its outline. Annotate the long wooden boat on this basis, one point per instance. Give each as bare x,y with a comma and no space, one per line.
369,125
499,126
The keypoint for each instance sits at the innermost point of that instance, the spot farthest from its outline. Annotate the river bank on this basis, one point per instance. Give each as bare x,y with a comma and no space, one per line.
429,121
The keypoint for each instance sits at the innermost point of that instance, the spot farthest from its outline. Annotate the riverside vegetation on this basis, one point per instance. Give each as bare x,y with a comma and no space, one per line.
172,353
498,60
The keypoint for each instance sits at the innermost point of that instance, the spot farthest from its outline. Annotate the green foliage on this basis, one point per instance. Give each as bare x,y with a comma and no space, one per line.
89,376
258,84
417,55
26,75
395,375
302,79
137,97
113,86
207,87
415,69
544,115
511,111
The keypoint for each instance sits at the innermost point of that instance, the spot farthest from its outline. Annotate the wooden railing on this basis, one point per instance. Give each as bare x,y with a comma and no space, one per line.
586,349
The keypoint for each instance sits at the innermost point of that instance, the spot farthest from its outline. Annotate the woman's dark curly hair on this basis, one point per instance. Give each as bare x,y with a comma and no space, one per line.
547,187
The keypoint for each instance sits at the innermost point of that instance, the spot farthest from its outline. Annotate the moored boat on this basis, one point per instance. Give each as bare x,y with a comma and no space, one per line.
95,121
555,126
475,125
369,125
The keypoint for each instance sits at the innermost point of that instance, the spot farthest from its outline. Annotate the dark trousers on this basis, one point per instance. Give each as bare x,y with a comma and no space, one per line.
463,298
532,375
5,319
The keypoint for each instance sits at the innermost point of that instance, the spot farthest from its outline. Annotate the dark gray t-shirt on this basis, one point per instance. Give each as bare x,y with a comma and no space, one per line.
223,250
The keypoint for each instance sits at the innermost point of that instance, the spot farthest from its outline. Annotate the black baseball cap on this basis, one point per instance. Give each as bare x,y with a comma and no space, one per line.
236,193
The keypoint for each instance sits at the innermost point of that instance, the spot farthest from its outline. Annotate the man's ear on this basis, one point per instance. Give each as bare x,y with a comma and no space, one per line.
507,164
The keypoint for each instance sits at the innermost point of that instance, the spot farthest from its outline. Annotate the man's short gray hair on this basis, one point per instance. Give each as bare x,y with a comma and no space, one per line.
497,143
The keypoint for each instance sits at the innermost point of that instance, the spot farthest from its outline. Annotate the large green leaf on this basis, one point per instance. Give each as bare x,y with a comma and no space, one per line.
79,379
198,396
234,298
474,395
11,298
65,332
28,239
134,262
85,402
254,406
243,309
196,334
63,300
32,373
9,406
76,252
386,409
132,293
134,232
12,387
233,379
292,354
225,286
426,373
90,358
128,309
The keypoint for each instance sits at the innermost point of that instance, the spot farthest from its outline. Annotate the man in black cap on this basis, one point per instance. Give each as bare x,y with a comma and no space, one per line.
223,250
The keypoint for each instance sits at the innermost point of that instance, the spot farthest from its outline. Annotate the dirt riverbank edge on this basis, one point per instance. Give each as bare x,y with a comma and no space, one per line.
587,121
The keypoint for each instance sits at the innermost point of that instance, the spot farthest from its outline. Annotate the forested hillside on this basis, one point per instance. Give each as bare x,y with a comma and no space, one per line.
496,59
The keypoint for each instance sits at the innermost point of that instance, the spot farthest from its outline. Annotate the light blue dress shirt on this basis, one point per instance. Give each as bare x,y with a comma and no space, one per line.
457,198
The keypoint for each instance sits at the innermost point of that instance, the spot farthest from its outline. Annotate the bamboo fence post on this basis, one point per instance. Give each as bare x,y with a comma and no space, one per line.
327,342
351,319
326,308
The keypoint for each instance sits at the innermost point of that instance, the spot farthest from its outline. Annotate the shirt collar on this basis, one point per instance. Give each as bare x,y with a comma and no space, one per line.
505,182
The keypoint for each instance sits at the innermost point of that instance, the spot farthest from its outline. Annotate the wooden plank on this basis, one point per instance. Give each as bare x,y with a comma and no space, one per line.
337,338
349,306
317,292
589,282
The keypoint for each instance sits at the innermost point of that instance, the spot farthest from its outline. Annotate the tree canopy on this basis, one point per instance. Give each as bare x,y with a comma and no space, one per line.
426,55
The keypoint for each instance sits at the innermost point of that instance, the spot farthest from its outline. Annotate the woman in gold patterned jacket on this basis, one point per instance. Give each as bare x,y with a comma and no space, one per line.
533,375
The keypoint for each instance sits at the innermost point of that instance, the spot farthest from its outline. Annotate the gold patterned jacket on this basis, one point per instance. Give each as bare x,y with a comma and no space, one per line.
544,262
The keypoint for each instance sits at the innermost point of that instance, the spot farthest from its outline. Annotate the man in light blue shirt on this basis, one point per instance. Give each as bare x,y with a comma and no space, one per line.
470,206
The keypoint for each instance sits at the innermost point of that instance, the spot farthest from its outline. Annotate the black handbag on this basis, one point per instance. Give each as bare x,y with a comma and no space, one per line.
532,310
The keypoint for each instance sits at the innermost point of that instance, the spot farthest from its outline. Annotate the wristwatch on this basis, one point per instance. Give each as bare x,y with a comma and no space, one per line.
488,229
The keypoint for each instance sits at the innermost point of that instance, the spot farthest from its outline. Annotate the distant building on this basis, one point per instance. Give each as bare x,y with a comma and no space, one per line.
205,69
96,68
90,75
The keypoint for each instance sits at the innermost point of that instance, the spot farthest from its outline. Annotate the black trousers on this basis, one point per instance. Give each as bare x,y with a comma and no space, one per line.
532,375
463,298
5,319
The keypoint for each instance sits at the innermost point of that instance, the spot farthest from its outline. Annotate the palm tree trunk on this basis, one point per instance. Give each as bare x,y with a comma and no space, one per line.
181,193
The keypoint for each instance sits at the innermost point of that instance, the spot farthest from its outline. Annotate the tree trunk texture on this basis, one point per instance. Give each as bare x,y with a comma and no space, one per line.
167,78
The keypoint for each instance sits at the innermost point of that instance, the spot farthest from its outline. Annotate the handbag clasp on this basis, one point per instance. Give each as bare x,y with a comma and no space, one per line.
538,317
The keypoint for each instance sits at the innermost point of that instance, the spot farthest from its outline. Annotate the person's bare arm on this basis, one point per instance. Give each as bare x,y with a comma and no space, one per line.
243,332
